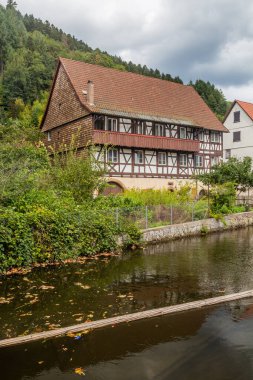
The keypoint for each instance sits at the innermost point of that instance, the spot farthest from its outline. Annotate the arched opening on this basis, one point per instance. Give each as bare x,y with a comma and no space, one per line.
113,188
202,193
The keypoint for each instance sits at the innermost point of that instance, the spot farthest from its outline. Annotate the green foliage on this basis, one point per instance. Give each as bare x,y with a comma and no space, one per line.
222,198
213,97
151,197
47,210
29,49
77,174
234,170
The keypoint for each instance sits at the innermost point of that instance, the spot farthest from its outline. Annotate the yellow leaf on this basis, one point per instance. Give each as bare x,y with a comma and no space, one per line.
79,371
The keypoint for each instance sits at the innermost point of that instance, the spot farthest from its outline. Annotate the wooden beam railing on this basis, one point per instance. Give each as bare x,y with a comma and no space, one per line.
125,318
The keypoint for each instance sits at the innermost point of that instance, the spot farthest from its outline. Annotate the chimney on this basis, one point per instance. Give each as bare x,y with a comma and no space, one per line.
90,93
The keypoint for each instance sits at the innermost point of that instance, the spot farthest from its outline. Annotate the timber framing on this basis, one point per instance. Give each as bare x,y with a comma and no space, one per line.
153,128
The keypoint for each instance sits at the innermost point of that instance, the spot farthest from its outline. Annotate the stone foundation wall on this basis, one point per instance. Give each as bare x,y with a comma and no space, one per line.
200,227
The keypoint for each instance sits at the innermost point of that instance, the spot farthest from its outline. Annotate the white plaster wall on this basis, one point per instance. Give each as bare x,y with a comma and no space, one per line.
244,147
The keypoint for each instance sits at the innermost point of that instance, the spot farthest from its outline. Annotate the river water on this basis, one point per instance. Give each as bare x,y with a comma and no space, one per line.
213,343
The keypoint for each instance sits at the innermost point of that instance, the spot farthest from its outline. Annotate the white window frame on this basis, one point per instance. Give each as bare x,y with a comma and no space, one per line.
227,154
113,156
162,158
159,130
198,161
183,160
201,136
113,124
182,133
139,157
215,137
214,160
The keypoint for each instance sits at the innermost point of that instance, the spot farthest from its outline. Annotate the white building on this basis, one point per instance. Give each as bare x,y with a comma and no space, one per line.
239,121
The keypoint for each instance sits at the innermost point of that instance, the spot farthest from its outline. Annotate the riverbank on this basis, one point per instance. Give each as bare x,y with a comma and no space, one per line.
199,227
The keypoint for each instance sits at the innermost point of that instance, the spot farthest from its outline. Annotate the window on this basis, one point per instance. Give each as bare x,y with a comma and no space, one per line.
49,138
201,136
139,157
198,161
100,123
227,153
236,136
215,137
112,155
138,127
182,133
112,125
183,160
214,160
159,130
237,116
161,158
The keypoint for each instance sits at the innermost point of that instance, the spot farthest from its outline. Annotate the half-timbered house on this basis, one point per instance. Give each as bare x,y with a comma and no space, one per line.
156,132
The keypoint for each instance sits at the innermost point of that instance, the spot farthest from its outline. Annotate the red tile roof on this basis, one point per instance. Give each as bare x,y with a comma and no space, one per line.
247,107
133,95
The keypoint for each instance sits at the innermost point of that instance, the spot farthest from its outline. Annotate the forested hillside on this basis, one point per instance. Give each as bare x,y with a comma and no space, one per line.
29,49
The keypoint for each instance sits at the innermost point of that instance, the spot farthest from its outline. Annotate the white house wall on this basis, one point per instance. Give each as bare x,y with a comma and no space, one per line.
244,147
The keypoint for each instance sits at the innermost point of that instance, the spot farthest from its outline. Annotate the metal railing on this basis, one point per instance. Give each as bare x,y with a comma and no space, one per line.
160,215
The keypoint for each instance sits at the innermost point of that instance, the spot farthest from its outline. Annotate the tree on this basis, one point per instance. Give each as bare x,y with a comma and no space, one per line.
213,97
238,172
11,4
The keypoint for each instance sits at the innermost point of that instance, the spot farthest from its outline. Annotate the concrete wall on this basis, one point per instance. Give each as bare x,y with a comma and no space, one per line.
158,234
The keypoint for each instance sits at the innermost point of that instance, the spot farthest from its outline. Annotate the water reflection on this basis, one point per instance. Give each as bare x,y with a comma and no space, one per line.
214,343
161,275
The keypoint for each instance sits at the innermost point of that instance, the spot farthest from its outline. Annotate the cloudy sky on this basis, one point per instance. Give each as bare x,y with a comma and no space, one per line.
206,39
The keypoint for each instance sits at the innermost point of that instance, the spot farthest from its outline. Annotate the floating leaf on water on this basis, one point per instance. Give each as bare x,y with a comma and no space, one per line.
70,334
81,285
85,332
5,300
79,371
121,296
79,319
41,362
46,287
26,314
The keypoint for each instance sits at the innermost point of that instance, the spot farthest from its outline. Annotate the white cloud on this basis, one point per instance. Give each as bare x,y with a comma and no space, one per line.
212,40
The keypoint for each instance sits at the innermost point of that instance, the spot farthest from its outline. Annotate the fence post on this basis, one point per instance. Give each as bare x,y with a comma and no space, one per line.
171,214
193,205
146,216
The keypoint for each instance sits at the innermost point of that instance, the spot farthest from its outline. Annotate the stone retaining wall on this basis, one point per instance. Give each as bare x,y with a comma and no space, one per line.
200,227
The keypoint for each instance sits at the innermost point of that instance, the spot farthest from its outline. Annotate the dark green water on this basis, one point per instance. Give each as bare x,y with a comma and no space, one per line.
162,275
213,343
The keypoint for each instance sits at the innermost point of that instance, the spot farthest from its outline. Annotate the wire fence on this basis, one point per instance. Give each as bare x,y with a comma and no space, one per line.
159,215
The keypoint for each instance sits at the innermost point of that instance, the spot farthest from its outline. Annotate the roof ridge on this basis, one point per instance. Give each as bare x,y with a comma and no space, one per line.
125,72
